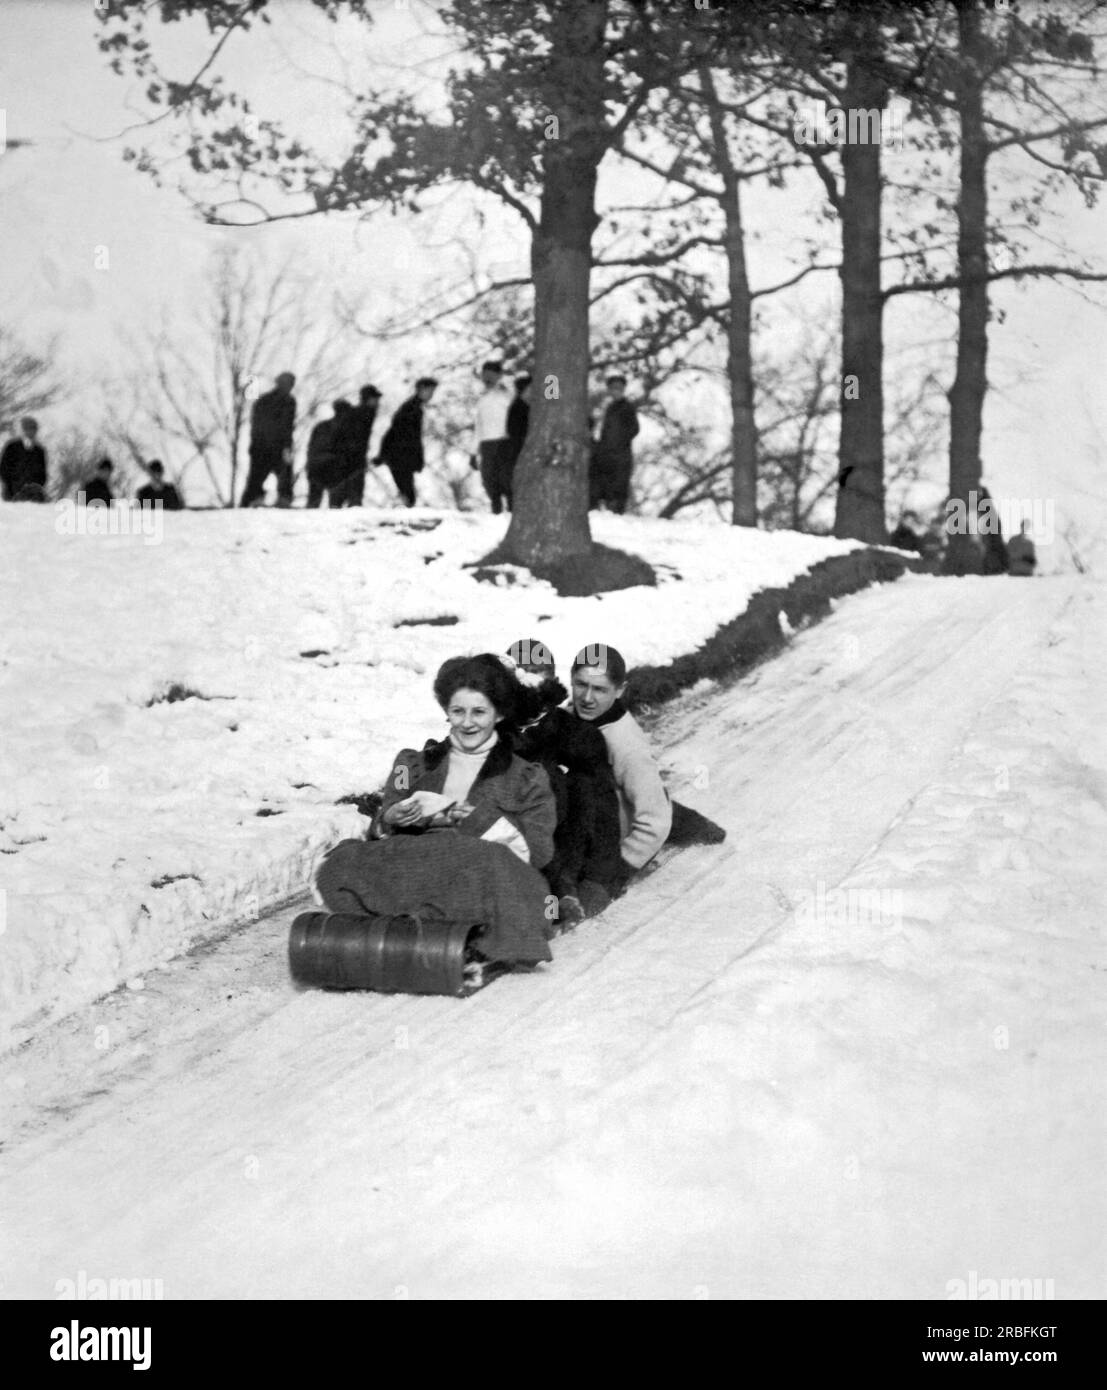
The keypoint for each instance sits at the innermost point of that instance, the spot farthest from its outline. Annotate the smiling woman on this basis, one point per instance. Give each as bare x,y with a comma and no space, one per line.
463,829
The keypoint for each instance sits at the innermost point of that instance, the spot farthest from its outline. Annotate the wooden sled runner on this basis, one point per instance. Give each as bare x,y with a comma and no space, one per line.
390,955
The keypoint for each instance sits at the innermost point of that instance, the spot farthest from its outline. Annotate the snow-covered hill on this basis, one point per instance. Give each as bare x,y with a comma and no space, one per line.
133,822
856,1051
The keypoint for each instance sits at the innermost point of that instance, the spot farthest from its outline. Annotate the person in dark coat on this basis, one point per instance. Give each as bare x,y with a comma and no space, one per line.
322,465
464,827
586,868
23,465
350,444
157,492
612,457
905,537
1021,554
97,491
402,446
271,424
518,422
990,530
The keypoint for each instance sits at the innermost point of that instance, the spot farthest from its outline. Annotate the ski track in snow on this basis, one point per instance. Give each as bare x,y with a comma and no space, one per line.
716,1090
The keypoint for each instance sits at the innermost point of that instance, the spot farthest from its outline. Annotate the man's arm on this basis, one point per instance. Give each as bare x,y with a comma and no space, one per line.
640,785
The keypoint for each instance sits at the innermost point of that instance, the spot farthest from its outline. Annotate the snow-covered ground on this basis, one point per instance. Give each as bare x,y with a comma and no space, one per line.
130,825
854,1052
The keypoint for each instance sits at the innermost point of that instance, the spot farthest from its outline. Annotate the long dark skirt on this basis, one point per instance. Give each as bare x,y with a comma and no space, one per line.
443,876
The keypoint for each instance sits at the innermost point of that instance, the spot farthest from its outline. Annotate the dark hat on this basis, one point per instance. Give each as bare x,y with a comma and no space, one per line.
426,381
492,367
522,382
104,463
155,466
369,391
616,377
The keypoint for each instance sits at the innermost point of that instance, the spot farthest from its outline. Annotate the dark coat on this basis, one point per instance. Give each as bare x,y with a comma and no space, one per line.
148,496
506,786
518,422
97,490
619,427
320,454
271,423
575,757
21,466
402,445
350,440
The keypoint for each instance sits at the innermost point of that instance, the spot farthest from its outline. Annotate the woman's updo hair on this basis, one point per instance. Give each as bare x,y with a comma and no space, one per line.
485,673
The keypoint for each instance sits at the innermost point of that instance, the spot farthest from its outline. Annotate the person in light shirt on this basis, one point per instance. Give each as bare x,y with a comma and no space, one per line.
491,443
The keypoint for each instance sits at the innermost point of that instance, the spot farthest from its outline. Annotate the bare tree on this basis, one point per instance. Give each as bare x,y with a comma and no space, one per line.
192,386
27,381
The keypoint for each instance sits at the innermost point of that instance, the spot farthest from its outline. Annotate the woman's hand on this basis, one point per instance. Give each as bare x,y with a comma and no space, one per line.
419,808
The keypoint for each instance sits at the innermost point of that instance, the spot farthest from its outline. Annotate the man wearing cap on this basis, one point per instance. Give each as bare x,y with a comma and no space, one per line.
271,424
157,492
612,459
491,444
349,445
23,465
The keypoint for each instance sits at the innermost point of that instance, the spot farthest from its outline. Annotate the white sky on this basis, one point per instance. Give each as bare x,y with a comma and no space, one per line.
71,192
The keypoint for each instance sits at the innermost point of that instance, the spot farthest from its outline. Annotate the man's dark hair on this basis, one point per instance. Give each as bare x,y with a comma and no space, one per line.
616,377
367,391
339,406
603,658
155,466
426,381
492,366
104,463
522,382
485,673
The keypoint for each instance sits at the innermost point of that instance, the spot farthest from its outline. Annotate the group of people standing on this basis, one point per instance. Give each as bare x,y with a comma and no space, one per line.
338,447
23,474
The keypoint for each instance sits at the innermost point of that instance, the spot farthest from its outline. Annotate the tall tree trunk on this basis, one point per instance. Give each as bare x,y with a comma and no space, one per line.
743,425
966,396
860,510
550,518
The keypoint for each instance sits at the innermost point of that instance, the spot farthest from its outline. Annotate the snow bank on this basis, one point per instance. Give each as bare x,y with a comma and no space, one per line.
183,709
